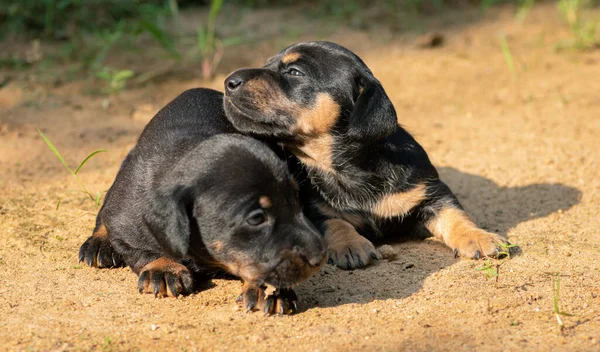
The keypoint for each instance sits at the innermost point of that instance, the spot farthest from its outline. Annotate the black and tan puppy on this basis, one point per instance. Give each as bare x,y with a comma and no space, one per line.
192,199
366,176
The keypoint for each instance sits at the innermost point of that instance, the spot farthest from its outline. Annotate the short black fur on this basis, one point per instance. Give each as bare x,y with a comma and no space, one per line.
195,198
363,156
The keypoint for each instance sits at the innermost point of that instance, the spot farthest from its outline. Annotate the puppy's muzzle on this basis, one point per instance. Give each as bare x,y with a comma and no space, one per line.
232,83
293,267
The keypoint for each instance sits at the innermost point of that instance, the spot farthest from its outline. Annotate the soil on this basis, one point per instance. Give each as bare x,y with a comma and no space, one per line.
519,149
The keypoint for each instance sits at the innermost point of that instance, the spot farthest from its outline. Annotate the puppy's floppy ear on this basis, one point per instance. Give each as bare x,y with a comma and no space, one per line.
374,116
168,218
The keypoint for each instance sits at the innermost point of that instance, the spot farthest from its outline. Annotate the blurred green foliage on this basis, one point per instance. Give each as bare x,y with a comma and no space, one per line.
62,19
86,32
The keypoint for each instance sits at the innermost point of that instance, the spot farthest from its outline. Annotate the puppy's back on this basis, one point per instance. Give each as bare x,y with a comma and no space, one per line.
188,120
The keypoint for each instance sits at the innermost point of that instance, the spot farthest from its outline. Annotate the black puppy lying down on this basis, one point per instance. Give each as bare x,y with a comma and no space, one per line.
366,177
192,199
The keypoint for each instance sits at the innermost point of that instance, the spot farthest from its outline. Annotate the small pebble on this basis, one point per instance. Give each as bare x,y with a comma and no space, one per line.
388,252
153,327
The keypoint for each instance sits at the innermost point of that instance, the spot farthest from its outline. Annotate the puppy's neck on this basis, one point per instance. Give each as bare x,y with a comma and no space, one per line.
315,152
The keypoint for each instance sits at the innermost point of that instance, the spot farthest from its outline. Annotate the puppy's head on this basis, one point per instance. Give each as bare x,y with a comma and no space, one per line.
307,90
232,203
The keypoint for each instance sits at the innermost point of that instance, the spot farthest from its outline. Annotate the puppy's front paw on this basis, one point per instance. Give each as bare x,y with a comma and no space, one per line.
97,252
165,278
476,243
256,298
346,248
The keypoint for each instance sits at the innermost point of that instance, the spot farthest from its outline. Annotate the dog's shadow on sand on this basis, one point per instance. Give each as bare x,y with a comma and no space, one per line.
494,208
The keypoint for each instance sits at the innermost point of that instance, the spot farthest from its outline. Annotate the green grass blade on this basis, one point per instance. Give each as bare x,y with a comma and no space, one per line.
55,151
88,158
507,55
215,8
123,75
58,204
202,42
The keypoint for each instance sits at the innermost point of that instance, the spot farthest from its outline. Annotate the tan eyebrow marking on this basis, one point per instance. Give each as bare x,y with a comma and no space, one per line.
265,202
291,57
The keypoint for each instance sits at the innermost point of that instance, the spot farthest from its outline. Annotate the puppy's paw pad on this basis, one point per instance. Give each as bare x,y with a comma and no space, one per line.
165,278
97,252
477,243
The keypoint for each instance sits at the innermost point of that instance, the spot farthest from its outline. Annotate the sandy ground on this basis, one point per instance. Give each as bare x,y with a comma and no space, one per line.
520,150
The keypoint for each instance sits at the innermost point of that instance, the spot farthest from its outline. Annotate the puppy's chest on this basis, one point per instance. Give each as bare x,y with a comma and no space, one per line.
344,191
357,193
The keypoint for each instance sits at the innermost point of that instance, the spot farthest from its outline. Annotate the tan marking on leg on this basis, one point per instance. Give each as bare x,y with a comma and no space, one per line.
454,227
265,202
399,204
291,57
164,264
102,232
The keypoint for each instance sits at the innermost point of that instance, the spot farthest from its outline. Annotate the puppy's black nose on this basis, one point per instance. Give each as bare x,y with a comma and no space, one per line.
233,82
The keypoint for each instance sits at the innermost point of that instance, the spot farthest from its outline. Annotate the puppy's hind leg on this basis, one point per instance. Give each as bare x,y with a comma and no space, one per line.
445,218
97,251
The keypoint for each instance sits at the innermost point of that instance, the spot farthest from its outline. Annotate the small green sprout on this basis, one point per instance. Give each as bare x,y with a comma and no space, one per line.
96,198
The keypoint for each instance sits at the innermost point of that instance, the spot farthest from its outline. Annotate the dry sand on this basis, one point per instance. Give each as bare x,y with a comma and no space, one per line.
520,150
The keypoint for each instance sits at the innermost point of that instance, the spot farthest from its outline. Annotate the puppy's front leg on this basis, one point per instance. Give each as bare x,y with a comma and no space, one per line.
166,278
346,248
451,224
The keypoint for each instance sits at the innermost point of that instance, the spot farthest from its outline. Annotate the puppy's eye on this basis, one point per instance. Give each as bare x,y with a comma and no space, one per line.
256,217
294,72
